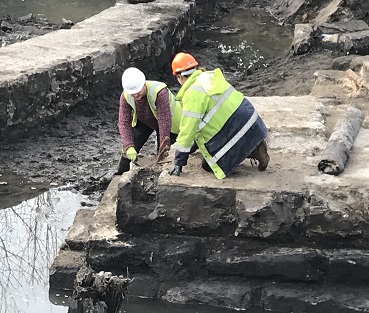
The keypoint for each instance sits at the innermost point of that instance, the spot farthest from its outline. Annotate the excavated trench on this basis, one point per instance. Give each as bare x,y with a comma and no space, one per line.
80,152
52,154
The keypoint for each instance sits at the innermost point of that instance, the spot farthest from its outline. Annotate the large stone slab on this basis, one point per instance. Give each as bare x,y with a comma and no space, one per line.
249,239
299,298
274,297
296,137
291,199
103,224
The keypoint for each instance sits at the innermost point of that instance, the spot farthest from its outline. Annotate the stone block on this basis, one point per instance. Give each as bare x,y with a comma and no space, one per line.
343,27
342,63
349,266
313,299
145,205
303,38
302,116
216,293
357,62
146,254
279,215
103,224
203,210
39,82
330,220
356,42
78,235
64,269
286,264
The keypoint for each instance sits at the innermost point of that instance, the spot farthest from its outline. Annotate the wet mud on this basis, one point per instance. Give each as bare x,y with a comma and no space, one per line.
79,149
26,27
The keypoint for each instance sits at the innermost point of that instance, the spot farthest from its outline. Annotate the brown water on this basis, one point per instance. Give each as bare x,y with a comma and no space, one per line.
55,10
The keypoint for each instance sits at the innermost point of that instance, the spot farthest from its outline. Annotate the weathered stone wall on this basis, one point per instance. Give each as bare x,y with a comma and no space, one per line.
228,247
309,217
43,76
286,239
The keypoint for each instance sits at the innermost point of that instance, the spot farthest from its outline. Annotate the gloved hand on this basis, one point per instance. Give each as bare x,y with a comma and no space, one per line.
177,169
131,153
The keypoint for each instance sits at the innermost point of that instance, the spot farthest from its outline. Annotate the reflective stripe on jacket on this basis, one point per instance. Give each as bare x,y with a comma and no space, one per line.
152,90
225,125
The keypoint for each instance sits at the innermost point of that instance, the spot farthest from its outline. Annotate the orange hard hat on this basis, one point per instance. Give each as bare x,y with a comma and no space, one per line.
183,61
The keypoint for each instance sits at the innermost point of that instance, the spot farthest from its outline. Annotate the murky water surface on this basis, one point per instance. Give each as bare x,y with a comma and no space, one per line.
34,220
246,38
252,36
30,235
55,10
149,306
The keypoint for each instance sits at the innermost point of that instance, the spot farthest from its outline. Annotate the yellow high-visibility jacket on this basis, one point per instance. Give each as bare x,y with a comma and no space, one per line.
153,88
224,124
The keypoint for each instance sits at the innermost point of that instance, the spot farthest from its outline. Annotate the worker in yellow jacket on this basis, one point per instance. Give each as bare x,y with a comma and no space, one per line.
218,118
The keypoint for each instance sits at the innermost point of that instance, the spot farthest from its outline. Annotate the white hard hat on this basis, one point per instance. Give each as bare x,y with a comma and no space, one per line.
133,80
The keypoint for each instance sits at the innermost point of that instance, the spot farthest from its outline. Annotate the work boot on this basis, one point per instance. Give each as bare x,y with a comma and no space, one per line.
261,154
123,166
206,166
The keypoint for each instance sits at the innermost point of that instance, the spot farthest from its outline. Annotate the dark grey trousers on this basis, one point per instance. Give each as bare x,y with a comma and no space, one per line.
141,134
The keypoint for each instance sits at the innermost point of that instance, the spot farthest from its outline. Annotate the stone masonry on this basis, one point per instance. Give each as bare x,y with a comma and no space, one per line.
287,239
46,75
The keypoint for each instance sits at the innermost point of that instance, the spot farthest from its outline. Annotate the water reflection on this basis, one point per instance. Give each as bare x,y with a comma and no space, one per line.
55,10
31,232
15,189
30,235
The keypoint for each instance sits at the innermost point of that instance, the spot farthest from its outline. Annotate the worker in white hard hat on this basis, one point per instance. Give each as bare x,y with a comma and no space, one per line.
145,106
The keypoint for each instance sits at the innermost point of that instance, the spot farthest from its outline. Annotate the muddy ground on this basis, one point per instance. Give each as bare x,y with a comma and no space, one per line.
82,148
26,27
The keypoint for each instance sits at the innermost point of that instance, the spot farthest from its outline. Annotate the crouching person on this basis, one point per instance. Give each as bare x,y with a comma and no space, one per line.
224,125
145,106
